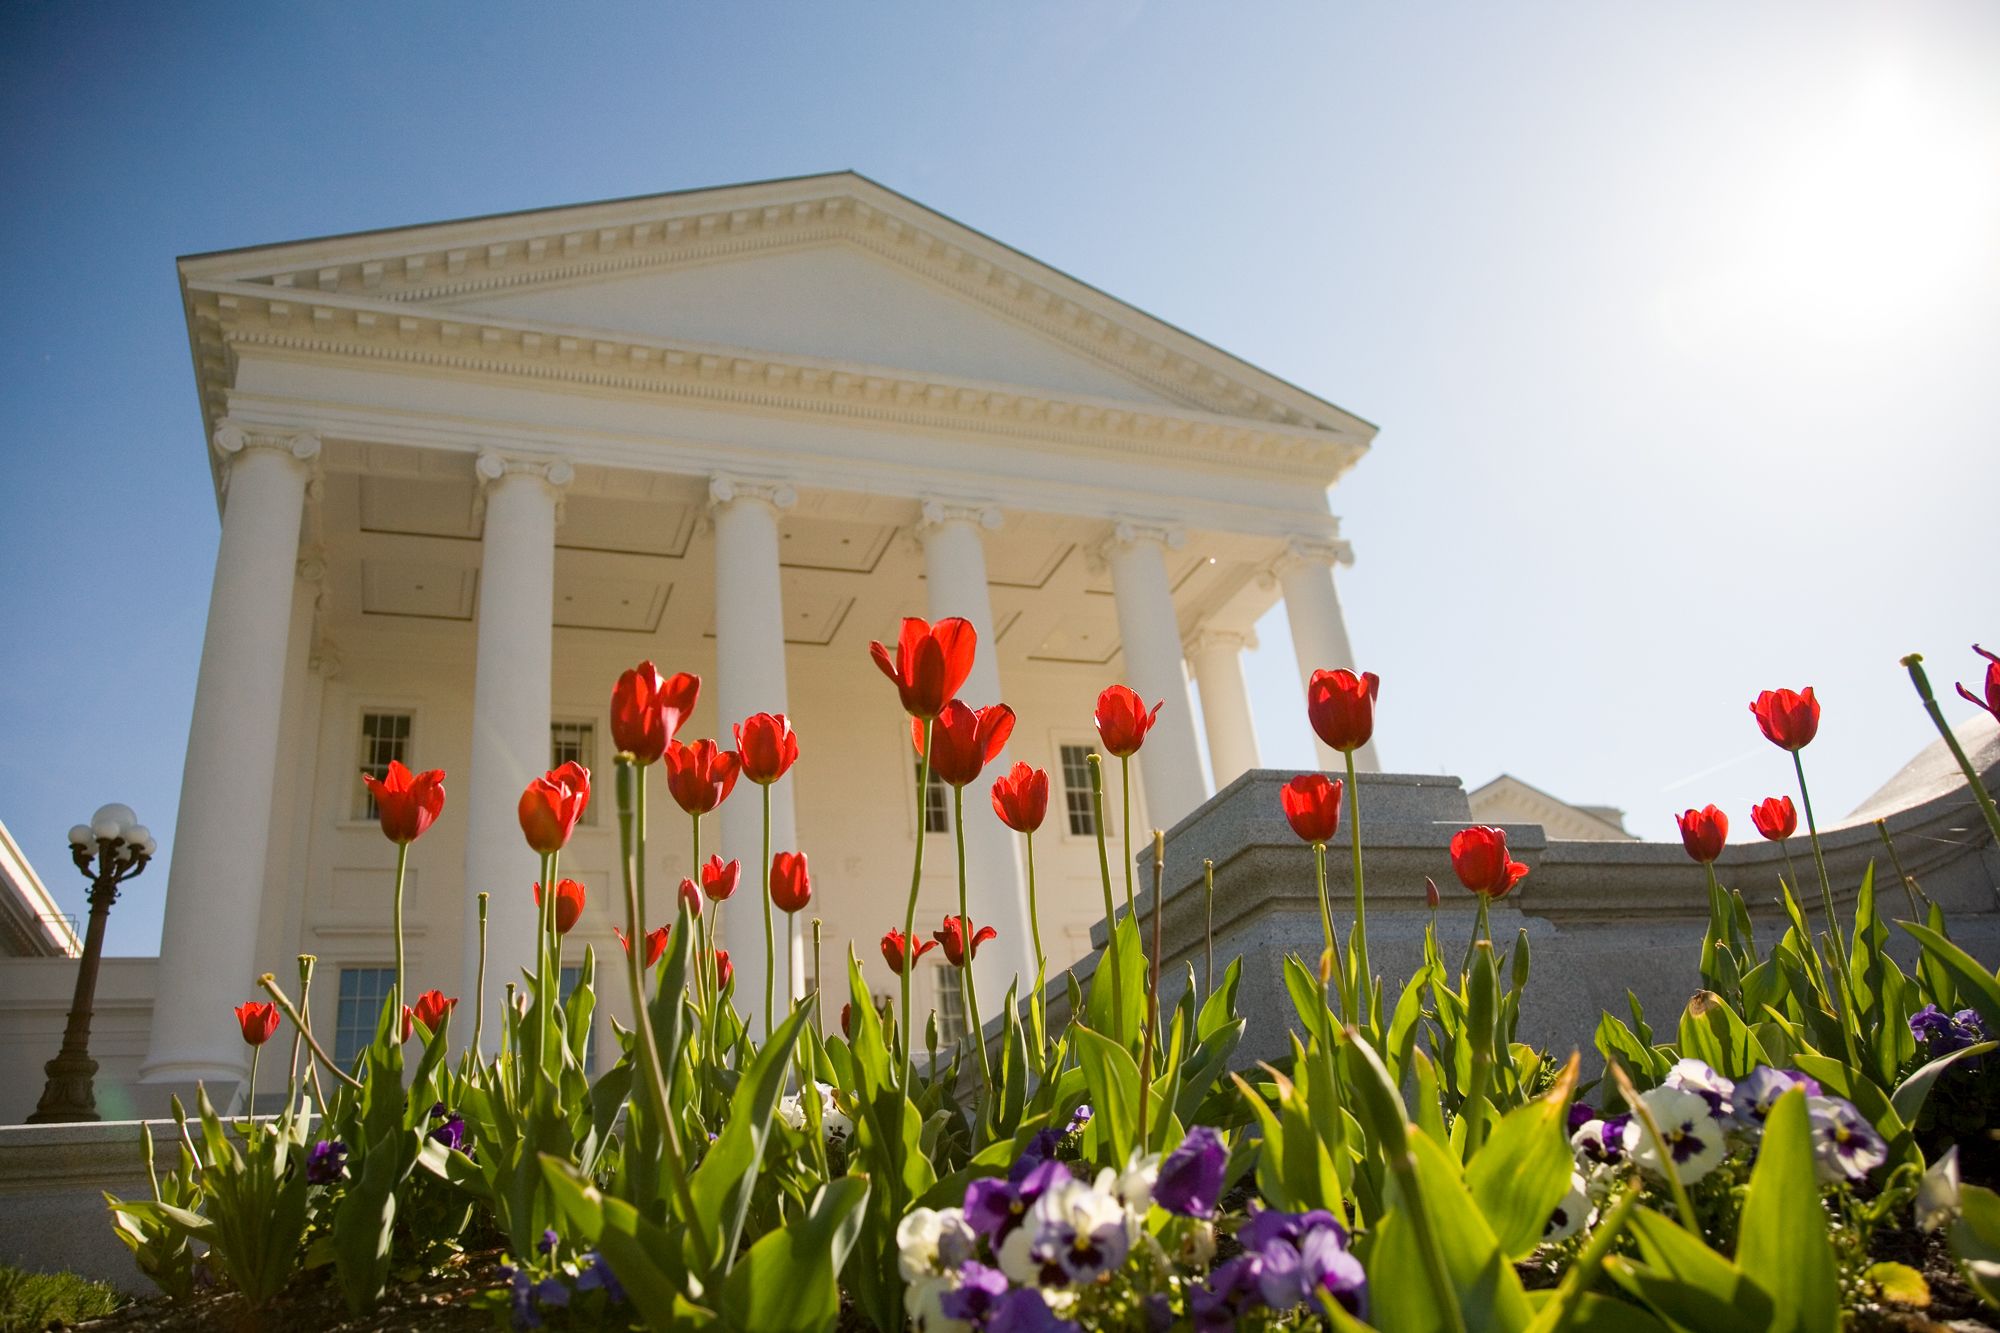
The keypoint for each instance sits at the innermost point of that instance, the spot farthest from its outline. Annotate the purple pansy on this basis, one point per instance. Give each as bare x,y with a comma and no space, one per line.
1758,1091
1845,1145
1691,1075
1944,1033
979,1292
597,1275
451,1131
1602,1142
327,1162
1580,1114
1024,1311
1288,1260
1190,1180
994,1207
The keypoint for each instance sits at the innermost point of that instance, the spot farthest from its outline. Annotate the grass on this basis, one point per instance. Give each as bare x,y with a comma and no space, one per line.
30,1302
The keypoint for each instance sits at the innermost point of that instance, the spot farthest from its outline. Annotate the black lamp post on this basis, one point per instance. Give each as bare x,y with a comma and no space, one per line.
111,849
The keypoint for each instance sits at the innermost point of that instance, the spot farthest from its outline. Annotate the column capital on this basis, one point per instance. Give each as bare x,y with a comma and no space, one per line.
492,465
1209,640
232,440
1298,551
939,511
1131,533
726,489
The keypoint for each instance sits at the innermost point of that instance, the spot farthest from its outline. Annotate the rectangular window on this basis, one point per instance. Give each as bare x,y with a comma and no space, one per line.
575,742
384,737
950,1005
363,992
571,976
1076,790
937,803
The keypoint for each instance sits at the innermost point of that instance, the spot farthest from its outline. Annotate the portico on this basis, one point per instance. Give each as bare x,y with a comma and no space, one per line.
740,432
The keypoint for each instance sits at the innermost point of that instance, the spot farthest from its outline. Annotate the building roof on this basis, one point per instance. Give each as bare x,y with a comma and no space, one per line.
31,924
1561,818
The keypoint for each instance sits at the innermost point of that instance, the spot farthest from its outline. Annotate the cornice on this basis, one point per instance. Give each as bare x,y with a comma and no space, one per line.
243,317
453,261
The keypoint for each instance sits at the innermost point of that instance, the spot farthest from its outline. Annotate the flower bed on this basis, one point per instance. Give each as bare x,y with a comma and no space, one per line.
1772,1163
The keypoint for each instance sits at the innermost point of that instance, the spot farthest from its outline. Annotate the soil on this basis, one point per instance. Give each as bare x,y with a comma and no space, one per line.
443,1302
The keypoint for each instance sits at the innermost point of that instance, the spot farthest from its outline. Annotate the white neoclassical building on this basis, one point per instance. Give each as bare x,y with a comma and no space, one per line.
469,471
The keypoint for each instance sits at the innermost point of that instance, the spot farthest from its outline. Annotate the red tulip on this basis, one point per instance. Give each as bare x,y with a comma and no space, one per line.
1480,858
952,937
552,804
723,970
646,711
1341,706
1122,720
656,943
900,953
701,775
569,903
1312,806
1704,831
430,1010
1021,797
791,886
1775,817
931,663
691,895
964,739
718,881
407,802
1991,703
768,746
258,1021
1789,721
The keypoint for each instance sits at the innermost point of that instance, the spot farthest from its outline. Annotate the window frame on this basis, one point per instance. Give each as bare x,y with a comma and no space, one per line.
361,807
948,1001
1089,744
386,973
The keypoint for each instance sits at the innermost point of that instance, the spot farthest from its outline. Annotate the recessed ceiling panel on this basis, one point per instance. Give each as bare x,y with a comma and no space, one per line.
1017,560
1083,635
409,588
811,617
824,543
421,508
631,527
632,605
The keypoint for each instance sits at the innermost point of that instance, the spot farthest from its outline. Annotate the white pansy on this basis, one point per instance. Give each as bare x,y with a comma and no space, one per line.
1691,1075
792,1111
1017,1258
1573,1213
923,1302
833,1121
1693,1138
917,1237
1134,1185
1937,1196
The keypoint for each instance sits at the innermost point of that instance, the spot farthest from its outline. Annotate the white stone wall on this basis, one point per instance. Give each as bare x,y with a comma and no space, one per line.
35,995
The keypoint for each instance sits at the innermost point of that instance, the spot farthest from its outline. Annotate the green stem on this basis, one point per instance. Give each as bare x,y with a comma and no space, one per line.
770,947
402,865
547,981
649,1055
1096,764
1153,988
965,925
250,1104
1357,939
910,912
706,981
1910,889
1791,871
819,1009
1922,681
1034,914
1819,863
1208,926
1325,908
1125,794
479,986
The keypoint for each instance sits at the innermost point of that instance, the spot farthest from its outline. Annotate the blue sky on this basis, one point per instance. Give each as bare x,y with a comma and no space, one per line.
1679,322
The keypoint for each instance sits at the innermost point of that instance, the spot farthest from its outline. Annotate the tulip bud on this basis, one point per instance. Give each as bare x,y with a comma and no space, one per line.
1325,967
1431,892
1482,999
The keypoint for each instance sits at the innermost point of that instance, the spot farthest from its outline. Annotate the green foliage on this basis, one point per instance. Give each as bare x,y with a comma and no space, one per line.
31,1302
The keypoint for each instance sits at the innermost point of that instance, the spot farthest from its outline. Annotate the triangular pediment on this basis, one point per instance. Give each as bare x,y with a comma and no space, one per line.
830,301
835,270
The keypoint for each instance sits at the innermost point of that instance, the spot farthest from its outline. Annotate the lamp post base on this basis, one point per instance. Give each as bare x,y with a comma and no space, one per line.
70,1094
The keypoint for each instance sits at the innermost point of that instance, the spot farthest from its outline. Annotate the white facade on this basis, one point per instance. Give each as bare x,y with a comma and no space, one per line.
471,471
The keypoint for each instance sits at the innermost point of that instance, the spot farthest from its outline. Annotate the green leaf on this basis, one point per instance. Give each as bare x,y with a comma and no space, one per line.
1522,1171
1974,982
1712,1032
1908,1098
1488,1291
723,1183
1898,1283
1113,1077
366,1215
1592,1313
1783,1233
1219,1009
1687,1284
788,1282
627,1241
1102,1011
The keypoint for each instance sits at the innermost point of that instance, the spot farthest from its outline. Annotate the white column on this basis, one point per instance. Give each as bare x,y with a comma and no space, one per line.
996,894
1217,656
1319,633
1151,641
750,678
510,718
215,885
